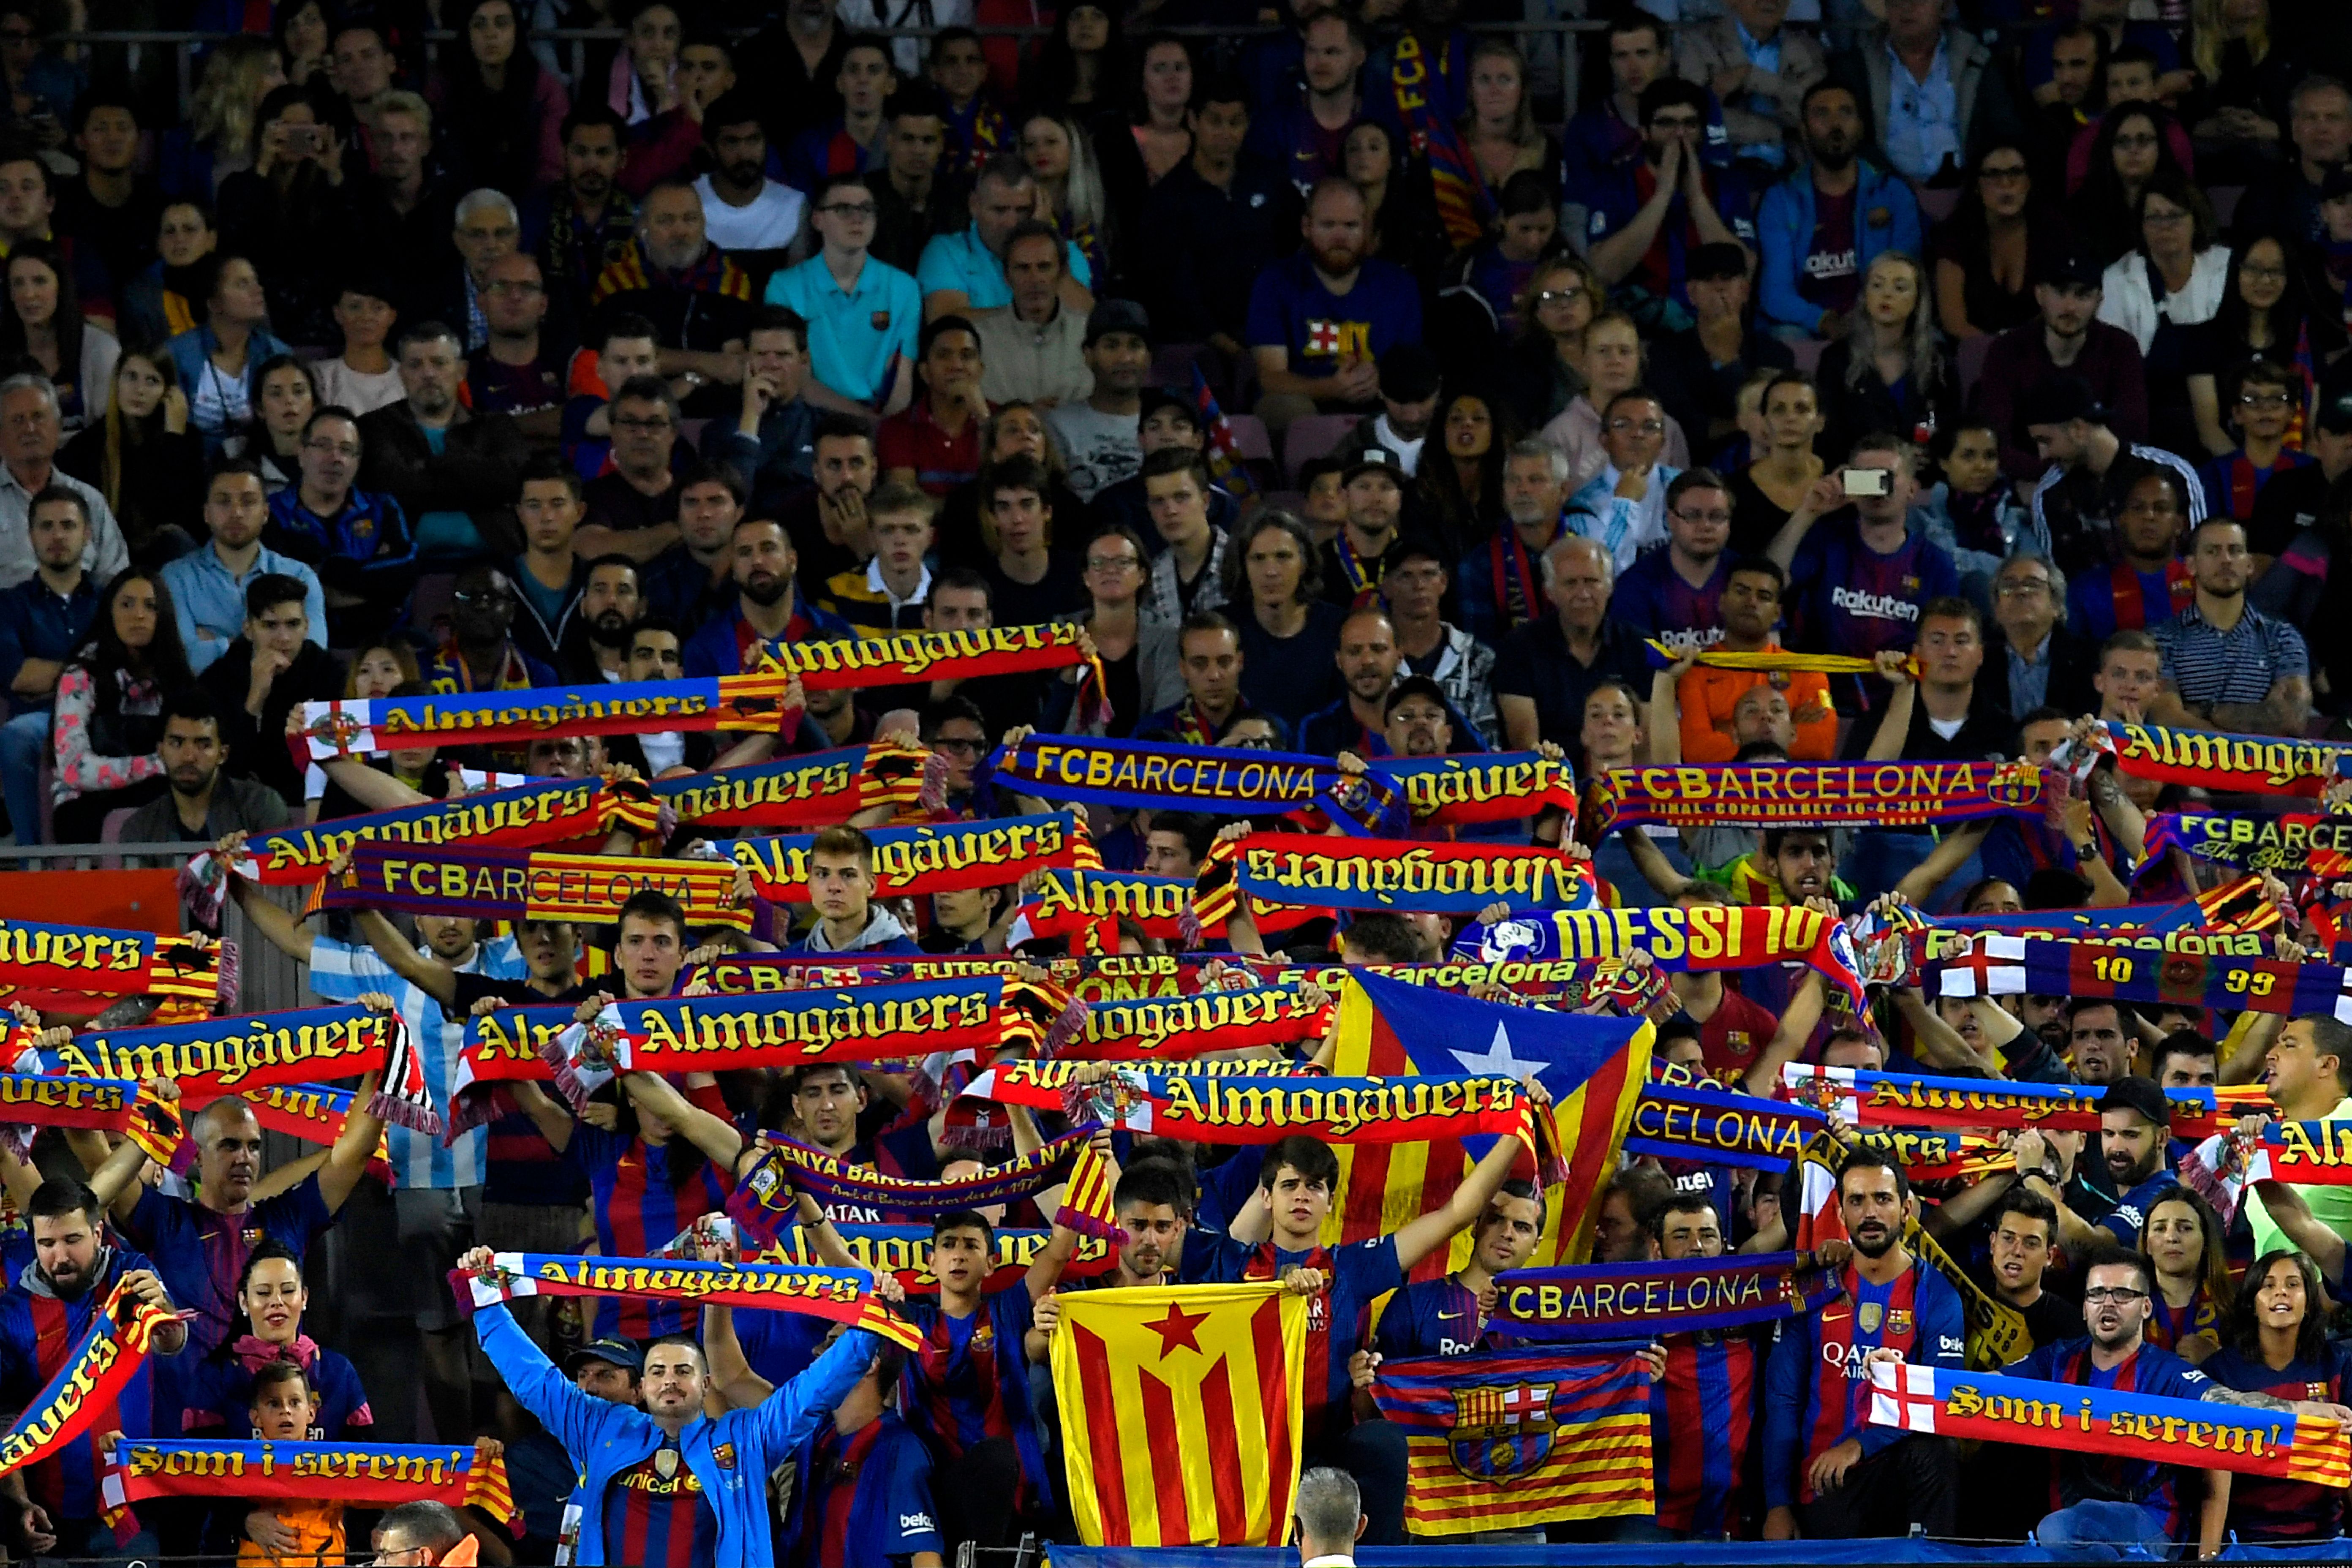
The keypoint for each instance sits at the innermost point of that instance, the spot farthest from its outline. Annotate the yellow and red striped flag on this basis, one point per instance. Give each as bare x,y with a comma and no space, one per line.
1594,1067
1181,1409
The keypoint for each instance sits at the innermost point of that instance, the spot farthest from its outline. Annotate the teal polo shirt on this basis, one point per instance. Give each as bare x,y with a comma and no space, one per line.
852,335
960,261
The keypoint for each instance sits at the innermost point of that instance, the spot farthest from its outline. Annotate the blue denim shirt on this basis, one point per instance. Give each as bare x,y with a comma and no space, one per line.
37,623
204,594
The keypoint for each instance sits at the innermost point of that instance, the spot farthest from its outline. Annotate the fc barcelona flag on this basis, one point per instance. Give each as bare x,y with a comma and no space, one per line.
1181,1410
1595,1068
1520,1438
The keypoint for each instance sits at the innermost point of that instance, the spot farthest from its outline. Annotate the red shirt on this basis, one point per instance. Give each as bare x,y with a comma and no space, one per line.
911,439
1728,1041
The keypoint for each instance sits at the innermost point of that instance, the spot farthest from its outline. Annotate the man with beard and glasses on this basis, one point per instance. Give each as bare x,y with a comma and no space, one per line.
1829,1473
204,801
357,540
742,209
269,672
699,300
1821,226
549,574
58,1506
767,607
633,510
2121,1502
596,646
1650,213
1320,319
453,471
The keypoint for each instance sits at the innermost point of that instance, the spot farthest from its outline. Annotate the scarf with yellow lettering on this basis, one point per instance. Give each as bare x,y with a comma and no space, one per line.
532,884
1453,790
814,791
371,1475
1228,781
1861,1097
2290,843
1088,908
905,657
2308,1153
1170,1028
552,811
767,1198
838,1295
217,1056
1702,937
864,1023
1315,871
99,1367
2234,764
357,725
31,1100
2008,965
1816,795
935,858
1718,1126
1619,1301
1771,661
905,1251
58,968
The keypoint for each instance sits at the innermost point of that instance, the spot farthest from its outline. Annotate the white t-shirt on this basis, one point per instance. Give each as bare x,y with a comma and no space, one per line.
1098,450
361,392
770,223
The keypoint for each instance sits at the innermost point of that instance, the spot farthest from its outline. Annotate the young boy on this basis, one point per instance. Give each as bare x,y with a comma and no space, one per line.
289,1530
887,596
2263,412
841,887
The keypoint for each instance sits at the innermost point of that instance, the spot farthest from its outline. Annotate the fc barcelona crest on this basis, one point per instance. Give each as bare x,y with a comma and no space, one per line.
1898,1321
723,1456
1502,1435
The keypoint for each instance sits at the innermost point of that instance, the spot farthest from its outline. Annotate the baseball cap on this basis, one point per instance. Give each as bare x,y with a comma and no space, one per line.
2140,1094
1408,374
2068,269
1156,399
2336,413
2062,400
620,1352
1363,460
1117,316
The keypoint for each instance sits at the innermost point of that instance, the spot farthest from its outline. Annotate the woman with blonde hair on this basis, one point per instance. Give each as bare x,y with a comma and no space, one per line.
1499,127
1887,372
218,138
1544,371
2243,81
1069,185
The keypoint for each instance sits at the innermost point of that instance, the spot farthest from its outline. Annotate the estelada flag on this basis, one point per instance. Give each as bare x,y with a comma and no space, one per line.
1595,1068
1520,1438
1181,1409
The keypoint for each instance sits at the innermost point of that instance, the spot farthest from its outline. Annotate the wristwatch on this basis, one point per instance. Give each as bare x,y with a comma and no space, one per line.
691,377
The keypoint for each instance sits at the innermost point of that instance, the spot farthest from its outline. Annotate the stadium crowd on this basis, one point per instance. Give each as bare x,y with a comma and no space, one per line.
1364,389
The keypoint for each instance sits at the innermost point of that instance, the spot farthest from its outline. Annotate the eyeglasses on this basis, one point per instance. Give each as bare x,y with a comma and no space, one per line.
621,422
2121,1295
488,597
2265,400
1253,743
2018,587
849,210
1559,297
1645,426
1112,563
331,448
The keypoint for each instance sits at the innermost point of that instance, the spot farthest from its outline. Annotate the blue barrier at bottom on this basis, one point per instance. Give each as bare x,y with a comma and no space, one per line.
1730,1554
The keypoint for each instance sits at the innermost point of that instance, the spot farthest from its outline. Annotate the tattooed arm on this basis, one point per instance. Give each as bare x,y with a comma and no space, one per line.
2217,1394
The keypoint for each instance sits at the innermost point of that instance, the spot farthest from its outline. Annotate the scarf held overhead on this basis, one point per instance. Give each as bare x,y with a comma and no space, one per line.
1318,872
1221,779
1861,1097
556,811
2234,765
863,1023
44,961
371,1475
906,657
1718,1127
1617,1301
1173,1027
838,1295
1492,787
2289,843
933,858
2081,1420
767,1199
117,1339
1704,936
2008,965
533,884
814,791
358,725
1817,794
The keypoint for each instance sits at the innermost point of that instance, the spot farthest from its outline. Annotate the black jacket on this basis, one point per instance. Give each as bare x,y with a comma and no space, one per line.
478,471
256,747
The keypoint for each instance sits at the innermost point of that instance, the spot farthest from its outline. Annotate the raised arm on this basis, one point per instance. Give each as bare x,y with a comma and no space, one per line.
554,1122
1418,1239
356,1144
427,976
651,1091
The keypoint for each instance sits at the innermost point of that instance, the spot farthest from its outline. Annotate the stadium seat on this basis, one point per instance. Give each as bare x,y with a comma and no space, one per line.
1970,362
1316,436
1251,442
1807,353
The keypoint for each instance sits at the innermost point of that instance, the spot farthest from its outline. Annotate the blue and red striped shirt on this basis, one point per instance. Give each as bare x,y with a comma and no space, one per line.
865,1500
38,1333
2112,1478
2263,1507
662,1520
638,1209
1702,1425
200,1254
971,1382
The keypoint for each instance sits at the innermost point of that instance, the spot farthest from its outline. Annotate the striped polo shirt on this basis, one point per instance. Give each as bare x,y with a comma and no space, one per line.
2239,665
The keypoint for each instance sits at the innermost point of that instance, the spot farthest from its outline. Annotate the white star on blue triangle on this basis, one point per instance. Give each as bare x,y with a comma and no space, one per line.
1498,1060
